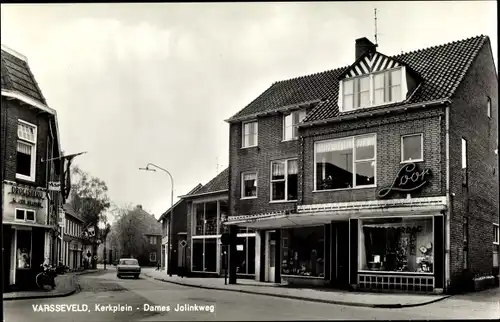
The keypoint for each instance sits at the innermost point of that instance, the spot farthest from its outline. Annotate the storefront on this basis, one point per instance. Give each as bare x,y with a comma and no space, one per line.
26,235
395,244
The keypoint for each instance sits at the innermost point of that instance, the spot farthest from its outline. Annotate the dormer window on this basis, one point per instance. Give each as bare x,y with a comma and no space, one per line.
373,89
290,122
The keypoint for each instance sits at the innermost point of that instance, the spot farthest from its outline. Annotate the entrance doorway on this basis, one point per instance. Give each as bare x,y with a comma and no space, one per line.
340,254
270,256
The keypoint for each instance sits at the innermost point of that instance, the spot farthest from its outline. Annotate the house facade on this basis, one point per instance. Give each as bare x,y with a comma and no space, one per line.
72,250
175,257
31,197
381,175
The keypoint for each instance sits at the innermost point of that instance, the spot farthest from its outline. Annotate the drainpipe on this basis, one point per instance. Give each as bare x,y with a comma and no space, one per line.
448,200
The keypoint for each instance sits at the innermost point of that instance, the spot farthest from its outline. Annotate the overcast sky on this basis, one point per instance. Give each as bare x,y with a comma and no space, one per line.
139,83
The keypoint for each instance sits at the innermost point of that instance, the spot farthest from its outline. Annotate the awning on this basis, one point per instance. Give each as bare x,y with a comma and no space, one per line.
310,215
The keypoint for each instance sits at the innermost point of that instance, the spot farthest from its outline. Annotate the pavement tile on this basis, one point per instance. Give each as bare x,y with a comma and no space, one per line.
382,300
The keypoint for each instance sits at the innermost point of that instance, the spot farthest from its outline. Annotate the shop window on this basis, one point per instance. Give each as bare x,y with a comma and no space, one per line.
284,181
412,148
345,163
25,215
23,249
197,255
249,185
303,254
224,212
211,218
200,219
397,245
26,151
204,255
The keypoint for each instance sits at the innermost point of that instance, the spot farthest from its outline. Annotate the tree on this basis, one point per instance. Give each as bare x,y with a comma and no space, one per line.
89,198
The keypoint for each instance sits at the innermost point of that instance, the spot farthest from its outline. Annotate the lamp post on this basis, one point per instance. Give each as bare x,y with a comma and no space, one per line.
147,168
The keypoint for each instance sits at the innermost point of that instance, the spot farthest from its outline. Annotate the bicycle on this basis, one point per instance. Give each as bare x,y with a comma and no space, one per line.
46,277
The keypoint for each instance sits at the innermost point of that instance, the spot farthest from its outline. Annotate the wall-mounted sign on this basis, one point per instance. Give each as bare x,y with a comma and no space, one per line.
54,186
20,196
409,179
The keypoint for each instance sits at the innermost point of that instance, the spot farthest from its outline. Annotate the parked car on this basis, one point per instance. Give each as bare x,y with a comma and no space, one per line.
128,266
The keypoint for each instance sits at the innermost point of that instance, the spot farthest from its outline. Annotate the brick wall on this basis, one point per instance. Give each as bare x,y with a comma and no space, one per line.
11,112
468,119
270,147
388,130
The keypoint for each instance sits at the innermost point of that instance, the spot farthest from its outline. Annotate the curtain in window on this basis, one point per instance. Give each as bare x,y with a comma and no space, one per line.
293,167
365,141
249,176
278,169
24,148
25,132
337,145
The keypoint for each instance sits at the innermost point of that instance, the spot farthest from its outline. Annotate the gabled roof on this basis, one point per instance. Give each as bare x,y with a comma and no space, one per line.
218,184
179,201
153,227
17,75
442,68
69,210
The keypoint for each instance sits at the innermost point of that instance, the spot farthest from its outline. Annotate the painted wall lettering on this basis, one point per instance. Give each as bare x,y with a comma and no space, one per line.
409,179
27,192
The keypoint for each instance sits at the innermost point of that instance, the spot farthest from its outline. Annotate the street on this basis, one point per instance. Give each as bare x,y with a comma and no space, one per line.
100,289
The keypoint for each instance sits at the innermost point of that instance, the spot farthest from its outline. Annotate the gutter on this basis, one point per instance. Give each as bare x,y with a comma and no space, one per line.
381,111
203,194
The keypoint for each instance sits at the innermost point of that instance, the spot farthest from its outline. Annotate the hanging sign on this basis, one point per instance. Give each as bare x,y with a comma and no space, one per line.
54,186
409,179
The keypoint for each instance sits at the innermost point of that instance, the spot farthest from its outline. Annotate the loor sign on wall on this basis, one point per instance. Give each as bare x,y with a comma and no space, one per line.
25,196
408,179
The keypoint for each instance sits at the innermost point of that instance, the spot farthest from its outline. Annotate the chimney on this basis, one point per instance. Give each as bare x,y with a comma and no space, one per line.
363,45
139,206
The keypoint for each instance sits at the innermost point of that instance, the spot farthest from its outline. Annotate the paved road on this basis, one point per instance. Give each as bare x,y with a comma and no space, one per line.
98,290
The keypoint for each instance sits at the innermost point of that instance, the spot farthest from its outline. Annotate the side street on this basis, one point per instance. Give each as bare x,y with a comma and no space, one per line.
267,161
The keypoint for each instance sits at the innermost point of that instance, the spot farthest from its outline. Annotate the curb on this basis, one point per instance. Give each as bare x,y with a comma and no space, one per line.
53,295
301,298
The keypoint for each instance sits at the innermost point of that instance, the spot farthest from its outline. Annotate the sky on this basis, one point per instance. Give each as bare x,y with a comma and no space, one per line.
140,83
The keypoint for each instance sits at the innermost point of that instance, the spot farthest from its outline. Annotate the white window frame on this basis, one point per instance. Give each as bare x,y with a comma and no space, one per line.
421,158
25,215
293,126
464,153
496,240
242,188
280,180
403,89
488,107
243,146
33,145
151,259
354,164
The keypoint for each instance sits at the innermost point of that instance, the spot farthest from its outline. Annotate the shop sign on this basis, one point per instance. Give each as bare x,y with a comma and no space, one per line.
21,195
408,179
54,186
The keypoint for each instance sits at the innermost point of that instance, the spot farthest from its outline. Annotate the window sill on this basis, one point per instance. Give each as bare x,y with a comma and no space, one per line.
25,178
249,147
24,220
289,140
395,273
411,161
496,243
303,276
344,189
282,201
248,198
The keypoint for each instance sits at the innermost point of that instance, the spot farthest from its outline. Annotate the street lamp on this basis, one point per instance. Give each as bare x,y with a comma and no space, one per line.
171,233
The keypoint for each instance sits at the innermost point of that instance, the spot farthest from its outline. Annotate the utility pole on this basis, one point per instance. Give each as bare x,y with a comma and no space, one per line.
376,41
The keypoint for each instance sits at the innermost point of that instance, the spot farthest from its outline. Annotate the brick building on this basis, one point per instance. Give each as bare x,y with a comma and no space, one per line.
72,250
30,197
379,175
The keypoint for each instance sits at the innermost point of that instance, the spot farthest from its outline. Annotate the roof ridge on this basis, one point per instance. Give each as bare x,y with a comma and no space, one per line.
313,74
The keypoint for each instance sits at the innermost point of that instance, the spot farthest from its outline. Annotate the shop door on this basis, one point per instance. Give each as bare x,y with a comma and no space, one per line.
181,251
340,254
271,256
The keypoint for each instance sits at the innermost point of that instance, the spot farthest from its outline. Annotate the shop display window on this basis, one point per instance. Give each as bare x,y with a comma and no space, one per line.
23,249
397,245
303,251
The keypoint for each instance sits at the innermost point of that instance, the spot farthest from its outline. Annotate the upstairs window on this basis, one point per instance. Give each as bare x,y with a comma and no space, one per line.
345,163
290,122
26,151
372,90
412,148
496,232
25,215
464,162
152,240
250,134
249,185
488,107
284,181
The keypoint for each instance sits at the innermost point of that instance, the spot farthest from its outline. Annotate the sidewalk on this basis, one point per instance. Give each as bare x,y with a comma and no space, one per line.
65,285
375,300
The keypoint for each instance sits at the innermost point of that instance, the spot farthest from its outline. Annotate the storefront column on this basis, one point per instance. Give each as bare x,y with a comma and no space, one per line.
277,261
233,257
353,252
439,251
327,252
